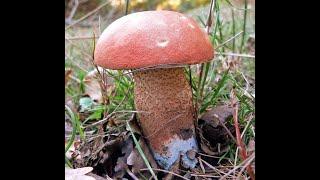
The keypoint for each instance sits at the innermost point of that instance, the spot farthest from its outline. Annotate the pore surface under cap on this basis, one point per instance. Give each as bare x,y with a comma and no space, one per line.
152,38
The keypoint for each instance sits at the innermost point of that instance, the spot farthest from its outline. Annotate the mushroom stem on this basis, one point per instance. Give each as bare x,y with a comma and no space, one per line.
163,99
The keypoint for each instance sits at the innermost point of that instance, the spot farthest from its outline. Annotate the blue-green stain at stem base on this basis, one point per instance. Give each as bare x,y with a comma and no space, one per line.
175,148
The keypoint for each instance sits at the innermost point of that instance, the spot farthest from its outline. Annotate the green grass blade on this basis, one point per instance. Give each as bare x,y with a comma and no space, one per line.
244,25
221,84
74,128
141,152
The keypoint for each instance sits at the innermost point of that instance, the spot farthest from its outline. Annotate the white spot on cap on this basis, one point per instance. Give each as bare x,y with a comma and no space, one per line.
183,17
190,25
162,43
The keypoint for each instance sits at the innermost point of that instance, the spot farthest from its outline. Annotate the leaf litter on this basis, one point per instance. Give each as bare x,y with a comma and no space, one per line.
115,156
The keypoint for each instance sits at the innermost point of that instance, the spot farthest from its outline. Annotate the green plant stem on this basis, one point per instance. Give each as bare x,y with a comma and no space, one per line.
141,152
233,31
244,25
74,128
216,92
127,6
67,161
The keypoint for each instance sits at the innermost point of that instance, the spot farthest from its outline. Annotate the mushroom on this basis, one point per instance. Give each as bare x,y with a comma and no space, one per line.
156,45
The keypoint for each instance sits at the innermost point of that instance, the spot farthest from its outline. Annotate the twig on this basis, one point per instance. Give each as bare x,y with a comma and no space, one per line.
240,144
201,165
228,131
103,83
81,37
247,82
211,156
248,163
76,64
233,37
209,19
245,129
235,54
235,159
82,50
138,147
131,174
213,168
244,25
73,11
165,171
240,165
87,15
202,78
102,121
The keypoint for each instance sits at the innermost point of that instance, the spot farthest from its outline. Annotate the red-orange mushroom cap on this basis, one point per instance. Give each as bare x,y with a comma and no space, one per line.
152,38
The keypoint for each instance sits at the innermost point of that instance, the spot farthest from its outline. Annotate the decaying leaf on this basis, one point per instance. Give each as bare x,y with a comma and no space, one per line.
69,102
120,168
106,155
73,151
217,114
78,174
134,125
67,74
251,146
92,86
212,130
135,160
251,44
99,177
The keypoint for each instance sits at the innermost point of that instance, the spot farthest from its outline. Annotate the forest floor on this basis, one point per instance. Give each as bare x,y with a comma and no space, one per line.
102,137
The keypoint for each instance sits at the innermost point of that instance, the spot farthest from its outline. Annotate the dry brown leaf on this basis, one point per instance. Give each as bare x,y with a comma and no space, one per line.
136,161
99,177
134,125
69,102
73,151
217,114
78,174
126,149
92,86
205,148
251,146
213,135
67,74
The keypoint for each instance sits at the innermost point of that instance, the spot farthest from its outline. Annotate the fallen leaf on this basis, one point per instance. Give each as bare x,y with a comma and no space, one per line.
78,174
126,149
135,160
67,74
251,44
73,151
92,85
99,177
251,146
69,102
217,114
134,125
214,138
